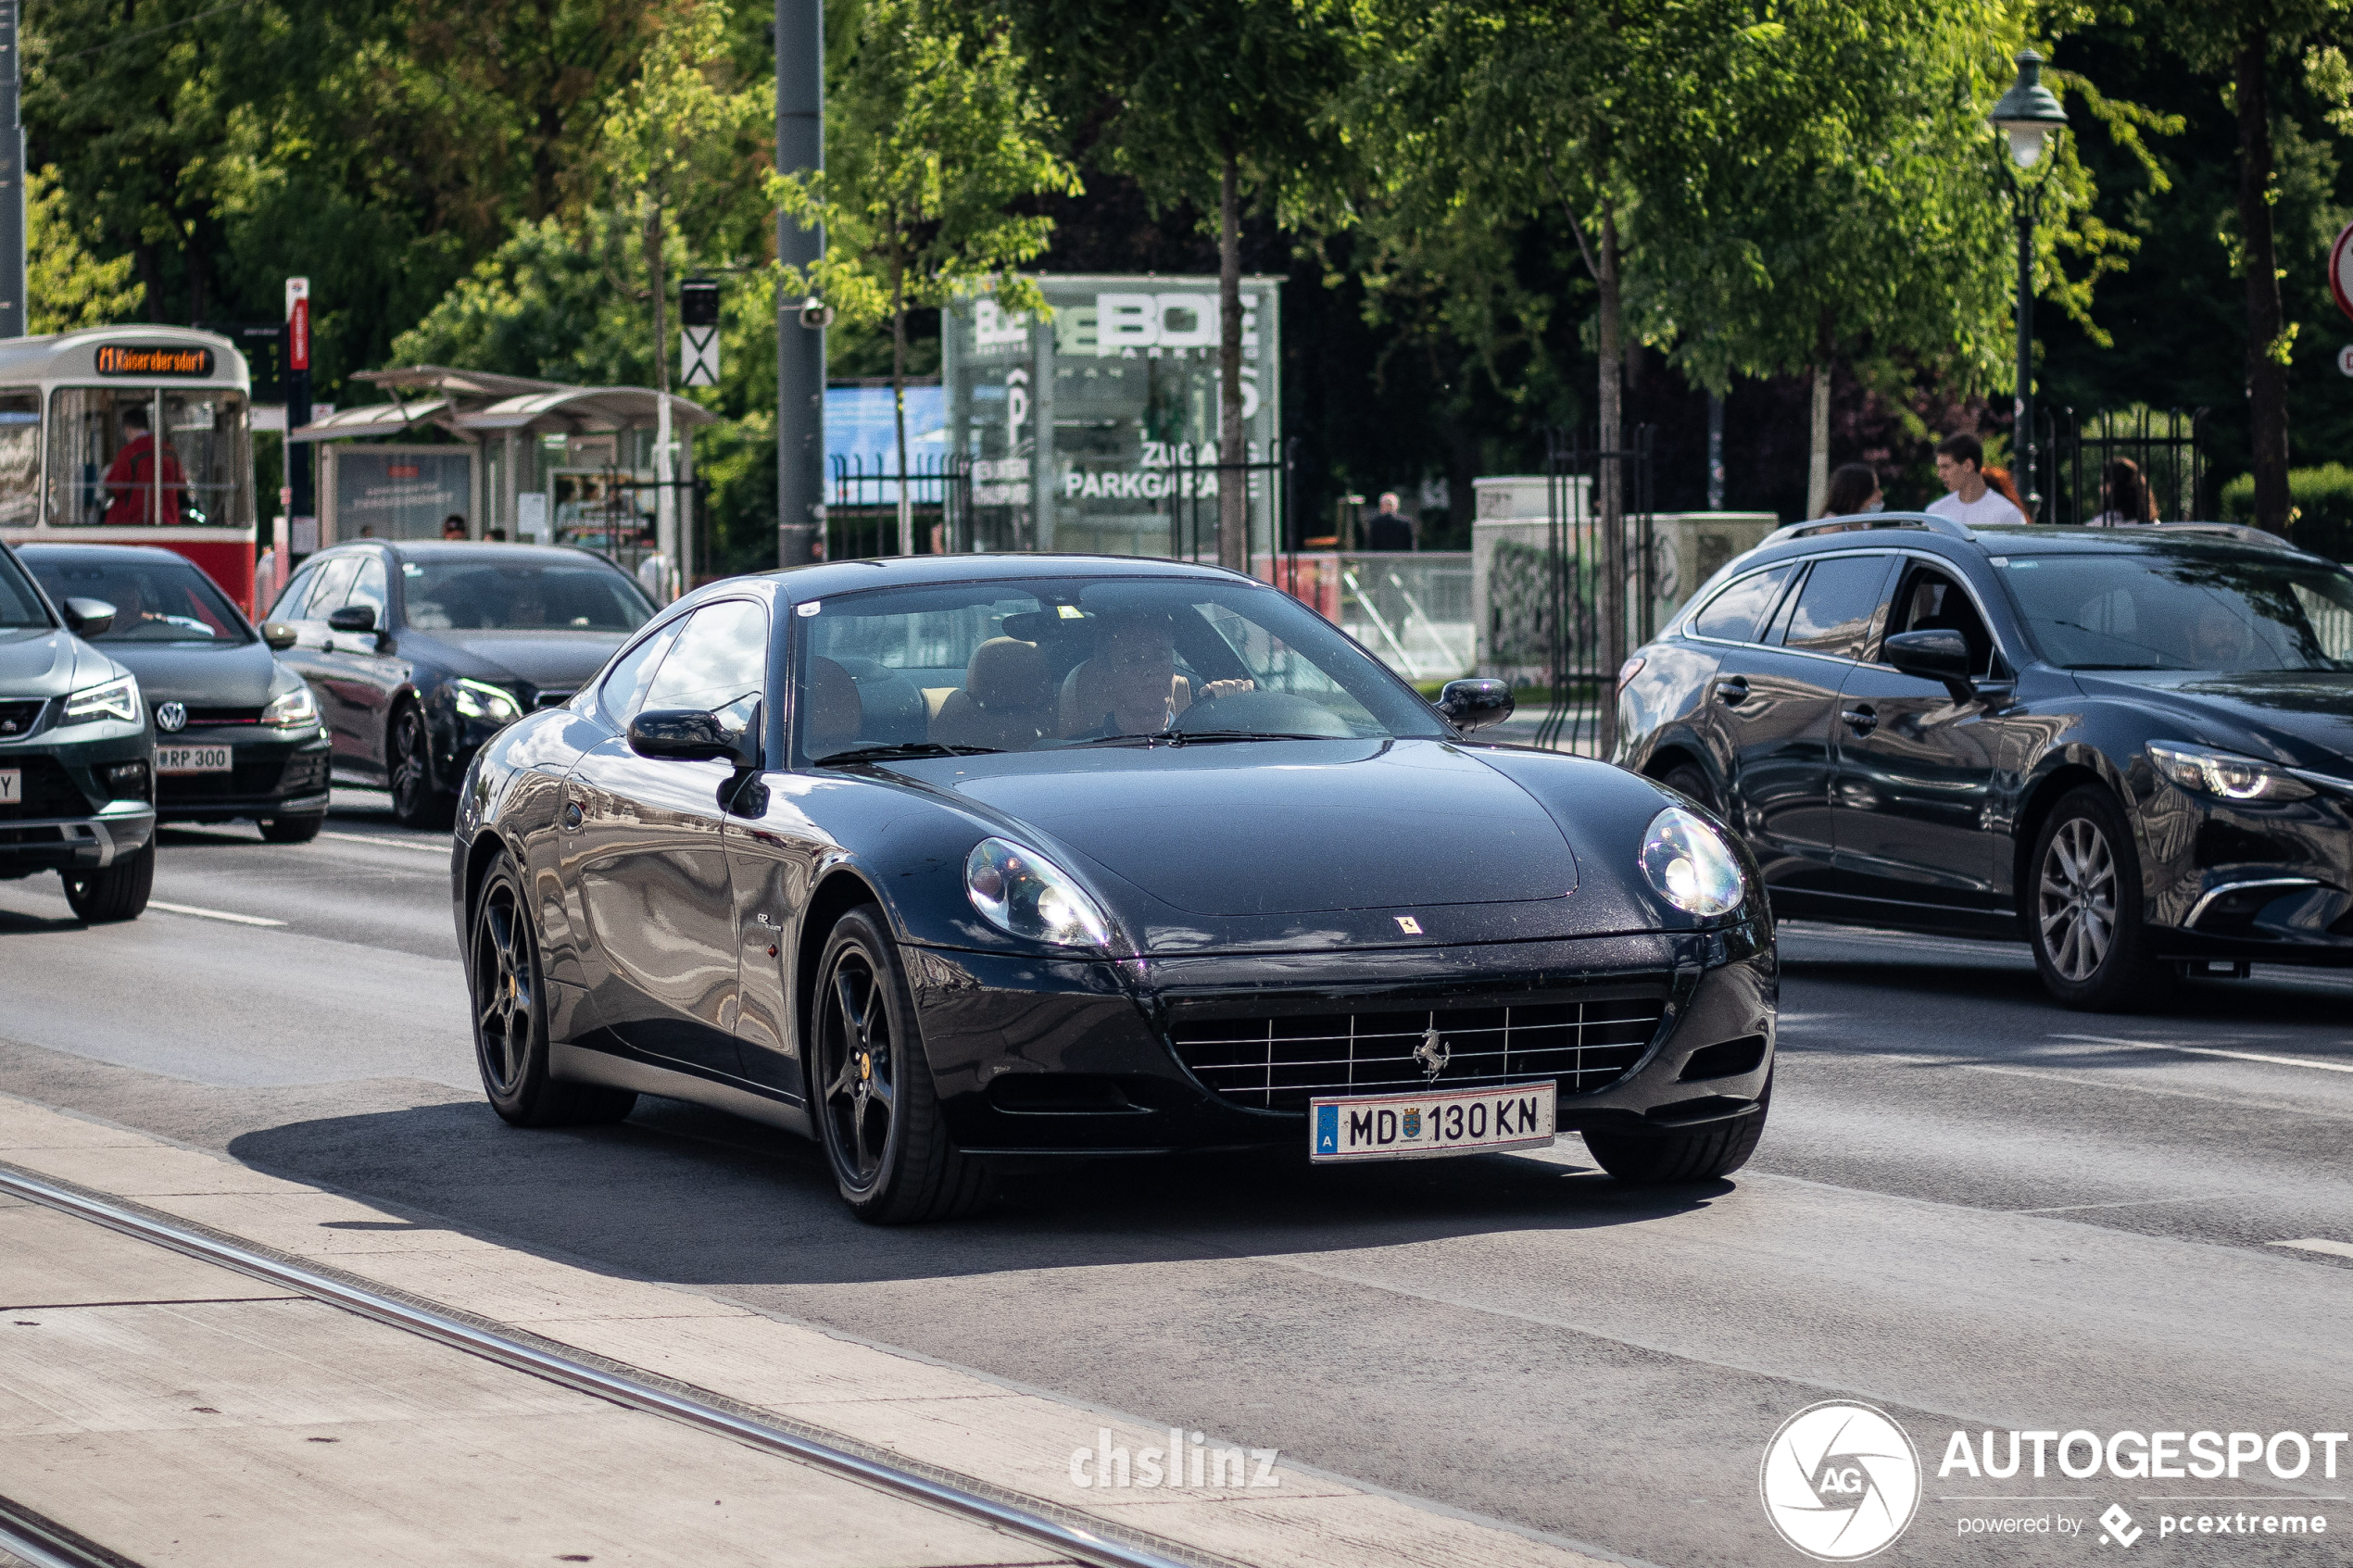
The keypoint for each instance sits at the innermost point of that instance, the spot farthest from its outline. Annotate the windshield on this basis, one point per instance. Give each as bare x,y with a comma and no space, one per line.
1013,666
157,599
510,595
2192,609
19,606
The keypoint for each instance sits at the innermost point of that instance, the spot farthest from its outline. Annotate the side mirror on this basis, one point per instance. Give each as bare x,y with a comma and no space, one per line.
1474,705
1940,656
88,618
686,734
279,636
352,618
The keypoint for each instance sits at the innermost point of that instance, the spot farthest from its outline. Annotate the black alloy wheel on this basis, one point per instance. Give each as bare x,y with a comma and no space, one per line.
876,1110
2083,908
119,891
1686,778
415,802
511,1017
1694,1154
292,830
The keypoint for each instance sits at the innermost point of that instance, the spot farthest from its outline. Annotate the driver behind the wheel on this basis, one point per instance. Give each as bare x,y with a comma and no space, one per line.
1131,686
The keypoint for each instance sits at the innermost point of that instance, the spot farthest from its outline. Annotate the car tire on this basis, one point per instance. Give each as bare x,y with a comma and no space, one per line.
1694,1154
2082,907
416,803
119,891
1687,778
877,1109
292,830
510,999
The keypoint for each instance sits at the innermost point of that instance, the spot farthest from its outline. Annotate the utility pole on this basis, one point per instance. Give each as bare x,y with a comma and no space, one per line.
302,506
800,331
15,317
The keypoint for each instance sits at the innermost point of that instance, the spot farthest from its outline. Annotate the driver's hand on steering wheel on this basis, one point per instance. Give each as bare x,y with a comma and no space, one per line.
1216,689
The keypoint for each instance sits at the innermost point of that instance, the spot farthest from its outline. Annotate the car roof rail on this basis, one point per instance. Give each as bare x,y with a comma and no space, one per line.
2237,531
1864,522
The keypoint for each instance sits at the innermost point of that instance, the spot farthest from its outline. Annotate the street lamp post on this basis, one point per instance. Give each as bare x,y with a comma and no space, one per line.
2029,118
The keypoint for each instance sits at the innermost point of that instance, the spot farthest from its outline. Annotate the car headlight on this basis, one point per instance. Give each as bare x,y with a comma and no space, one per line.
115,699
1690,865
292,710
2201,770
480,699
1026,895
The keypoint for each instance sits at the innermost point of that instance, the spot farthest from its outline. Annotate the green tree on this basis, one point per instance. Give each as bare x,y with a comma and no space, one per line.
935,137
67,287
1221,104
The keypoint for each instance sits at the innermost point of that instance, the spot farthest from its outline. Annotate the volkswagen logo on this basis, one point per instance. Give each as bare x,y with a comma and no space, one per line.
171,717
1433,1053
1840,1481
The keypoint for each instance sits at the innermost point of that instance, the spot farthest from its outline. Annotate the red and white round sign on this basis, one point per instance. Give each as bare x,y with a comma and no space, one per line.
2341,270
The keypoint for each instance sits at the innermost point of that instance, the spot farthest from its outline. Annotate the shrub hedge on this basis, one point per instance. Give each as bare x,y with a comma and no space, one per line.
2323,497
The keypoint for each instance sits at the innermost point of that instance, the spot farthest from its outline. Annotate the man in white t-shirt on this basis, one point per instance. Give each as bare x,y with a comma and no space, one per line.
1973,503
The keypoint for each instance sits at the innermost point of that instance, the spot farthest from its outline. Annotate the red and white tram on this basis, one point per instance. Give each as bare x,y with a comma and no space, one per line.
131,435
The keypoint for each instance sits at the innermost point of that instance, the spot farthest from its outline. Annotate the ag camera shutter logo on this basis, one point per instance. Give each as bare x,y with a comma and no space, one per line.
1840,1481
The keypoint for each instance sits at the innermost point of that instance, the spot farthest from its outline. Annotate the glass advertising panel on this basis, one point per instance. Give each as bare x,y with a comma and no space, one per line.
391,493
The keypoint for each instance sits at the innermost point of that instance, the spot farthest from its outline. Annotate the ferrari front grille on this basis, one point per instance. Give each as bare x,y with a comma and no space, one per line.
1583,1041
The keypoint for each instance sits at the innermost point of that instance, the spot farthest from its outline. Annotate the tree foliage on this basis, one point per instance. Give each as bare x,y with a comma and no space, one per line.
67,284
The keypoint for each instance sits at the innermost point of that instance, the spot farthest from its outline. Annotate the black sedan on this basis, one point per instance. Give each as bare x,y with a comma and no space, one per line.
2133,747
948,861
420,652
237,734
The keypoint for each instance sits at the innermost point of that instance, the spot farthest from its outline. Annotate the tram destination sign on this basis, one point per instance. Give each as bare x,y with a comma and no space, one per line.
153,359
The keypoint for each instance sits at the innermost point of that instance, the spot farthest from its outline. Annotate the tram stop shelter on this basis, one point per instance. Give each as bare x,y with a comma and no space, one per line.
517,457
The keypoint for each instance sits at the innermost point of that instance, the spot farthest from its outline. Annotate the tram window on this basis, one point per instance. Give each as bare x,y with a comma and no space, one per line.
107,464
19,458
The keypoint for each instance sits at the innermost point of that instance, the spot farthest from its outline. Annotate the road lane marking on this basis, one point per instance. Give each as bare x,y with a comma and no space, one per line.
210,914
2319,1244
442,848
2135,1203
2208,1050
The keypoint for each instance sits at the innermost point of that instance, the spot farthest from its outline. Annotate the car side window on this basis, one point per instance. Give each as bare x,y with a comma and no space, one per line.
368,588
624,691
335,581
297,594
1733,615
1930,601
1836,607
719,660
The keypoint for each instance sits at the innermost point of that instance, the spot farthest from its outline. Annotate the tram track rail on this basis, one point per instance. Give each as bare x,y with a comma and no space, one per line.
47,1544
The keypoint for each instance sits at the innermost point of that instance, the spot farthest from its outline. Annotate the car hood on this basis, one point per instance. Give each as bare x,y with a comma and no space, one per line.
2304,718
562,659
48,661
1282,827
237,676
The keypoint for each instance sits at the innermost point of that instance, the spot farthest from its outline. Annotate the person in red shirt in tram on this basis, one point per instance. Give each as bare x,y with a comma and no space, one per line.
132,484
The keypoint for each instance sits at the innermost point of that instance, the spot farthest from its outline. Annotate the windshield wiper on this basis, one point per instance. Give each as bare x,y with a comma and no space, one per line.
1197,737
902,749
2119,667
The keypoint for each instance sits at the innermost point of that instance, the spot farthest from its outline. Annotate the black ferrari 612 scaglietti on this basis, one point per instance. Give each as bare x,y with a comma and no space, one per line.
946,861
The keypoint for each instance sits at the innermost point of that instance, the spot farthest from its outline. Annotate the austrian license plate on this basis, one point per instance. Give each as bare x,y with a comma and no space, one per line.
11,786
1450,1122
192,759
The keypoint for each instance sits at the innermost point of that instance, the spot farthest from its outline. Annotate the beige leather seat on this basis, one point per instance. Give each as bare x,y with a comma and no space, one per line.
1007,701
835,715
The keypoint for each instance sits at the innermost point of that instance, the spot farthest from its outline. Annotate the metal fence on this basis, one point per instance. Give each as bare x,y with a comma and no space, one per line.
1414,612
863,505
2168,447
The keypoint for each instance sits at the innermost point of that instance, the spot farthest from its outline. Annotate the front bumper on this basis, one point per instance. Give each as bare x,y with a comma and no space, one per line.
68,818
2266,884
74,844
270,776
1050,1056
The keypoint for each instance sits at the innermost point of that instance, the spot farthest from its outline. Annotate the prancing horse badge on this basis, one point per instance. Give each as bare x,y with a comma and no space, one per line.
1433,1053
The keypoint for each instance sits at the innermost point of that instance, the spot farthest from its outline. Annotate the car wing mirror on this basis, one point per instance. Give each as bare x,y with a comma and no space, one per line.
352,618
1940,656
278,636
88,618
1474,705
688,735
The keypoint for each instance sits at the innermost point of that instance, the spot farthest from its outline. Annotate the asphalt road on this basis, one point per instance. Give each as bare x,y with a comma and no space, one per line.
1971,1208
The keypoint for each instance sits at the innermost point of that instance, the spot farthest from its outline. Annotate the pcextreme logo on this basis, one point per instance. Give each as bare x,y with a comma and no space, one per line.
1840,1481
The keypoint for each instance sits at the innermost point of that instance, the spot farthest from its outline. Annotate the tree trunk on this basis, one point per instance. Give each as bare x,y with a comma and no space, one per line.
1611,511
2266,335
898,396
1233,483
1818,463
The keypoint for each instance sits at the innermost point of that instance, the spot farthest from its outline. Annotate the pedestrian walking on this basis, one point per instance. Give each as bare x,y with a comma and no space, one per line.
1854,489
2127,493
1971,500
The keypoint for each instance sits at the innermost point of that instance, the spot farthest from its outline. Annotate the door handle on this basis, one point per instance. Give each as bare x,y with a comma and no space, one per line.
572,813
1732,690
1862,720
